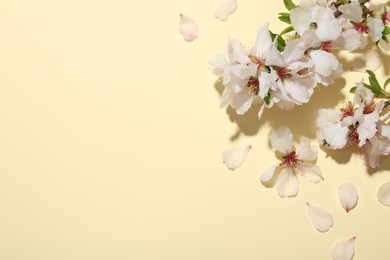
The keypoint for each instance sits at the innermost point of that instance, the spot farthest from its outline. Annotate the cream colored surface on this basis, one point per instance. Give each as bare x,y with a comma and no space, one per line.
111,138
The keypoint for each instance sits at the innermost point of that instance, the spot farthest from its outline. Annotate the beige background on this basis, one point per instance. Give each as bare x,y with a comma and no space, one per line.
111,135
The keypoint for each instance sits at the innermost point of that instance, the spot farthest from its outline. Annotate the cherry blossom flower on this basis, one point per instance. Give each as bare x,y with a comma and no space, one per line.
292,163
234,157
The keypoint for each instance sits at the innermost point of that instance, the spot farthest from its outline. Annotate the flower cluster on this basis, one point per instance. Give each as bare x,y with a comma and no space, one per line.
361,123
275,72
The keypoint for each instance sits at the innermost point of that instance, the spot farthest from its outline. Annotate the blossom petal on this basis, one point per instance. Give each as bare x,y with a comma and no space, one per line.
306,151
352,11
325,62
234,157
268,174
376,28
335,135
301,19
287,184
383,194
326,116
329,31
350,40
367,127
311,172
344,250
348,196
282,139
263,42
188,28
321,219
227,8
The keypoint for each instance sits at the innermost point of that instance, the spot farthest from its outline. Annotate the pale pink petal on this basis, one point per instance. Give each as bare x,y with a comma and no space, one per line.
311,172
335,135
344,250
352,11
234,157
383,194
306,151
326,116
268,174
348,196
350,40
321,219
376,28
260,113
287,184
188,28
367,127
282,139
227,8
263,42
325,62
301,19
329,31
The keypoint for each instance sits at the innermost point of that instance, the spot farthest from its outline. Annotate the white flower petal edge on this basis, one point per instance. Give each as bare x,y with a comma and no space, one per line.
188,28
287,184
227,8
268,174
348,196
383,194
344,250
321,219
282,139
234,157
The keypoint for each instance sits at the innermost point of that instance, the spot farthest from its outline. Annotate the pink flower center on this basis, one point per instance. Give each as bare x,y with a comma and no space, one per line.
327,46
290,159
282,72
360,27
353,136
253,85
386,17
256,60
347,110
369,108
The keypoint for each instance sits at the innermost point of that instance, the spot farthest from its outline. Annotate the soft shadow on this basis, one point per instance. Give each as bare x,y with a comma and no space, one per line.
300,120
384,166
340,156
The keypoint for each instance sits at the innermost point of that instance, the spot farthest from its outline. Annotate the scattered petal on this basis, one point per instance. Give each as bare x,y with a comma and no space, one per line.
188,28
322,220
282,139
348,196
225,10
383,194
344,250
234,157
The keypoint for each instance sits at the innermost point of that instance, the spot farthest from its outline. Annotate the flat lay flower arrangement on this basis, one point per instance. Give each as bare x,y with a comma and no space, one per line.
284,69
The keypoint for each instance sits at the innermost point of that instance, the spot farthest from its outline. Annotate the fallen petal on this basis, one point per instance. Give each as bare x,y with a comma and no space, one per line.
383,194
344,250
322,220
225,10
188,28
348,196
234,157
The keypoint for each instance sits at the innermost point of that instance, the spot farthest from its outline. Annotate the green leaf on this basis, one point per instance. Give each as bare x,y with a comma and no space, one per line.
287,30
281,43
387,82
289,4
267,99
374,84
285,17
386,30
353,90
362,2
